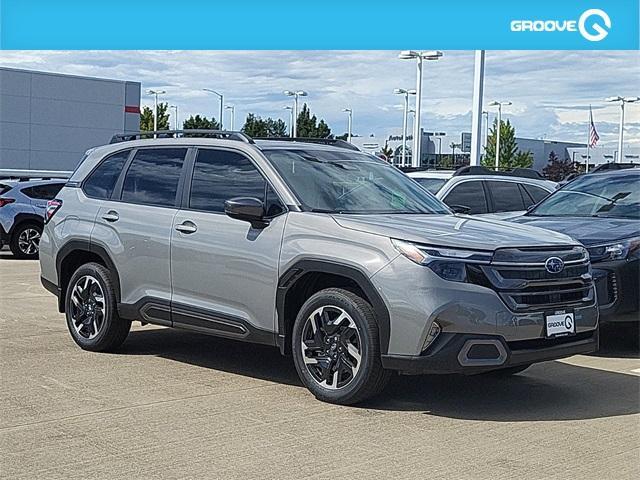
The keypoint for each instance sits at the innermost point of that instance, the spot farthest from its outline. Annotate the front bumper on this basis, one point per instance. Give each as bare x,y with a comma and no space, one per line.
454,353
617,288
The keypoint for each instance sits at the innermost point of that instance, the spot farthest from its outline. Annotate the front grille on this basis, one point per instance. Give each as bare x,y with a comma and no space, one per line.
520,278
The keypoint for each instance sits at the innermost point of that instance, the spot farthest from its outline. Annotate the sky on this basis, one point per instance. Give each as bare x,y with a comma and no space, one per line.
551,90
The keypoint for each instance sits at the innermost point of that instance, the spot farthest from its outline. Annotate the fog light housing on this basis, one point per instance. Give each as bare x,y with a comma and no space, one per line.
434,331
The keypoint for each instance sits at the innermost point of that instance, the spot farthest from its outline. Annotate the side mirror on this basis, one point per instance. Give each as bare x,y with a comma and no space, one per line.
249,209
460,209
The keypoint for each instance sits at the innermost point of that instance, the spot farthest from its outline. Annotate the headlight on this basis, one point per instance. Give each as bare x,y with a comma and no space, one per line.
628,248
447,263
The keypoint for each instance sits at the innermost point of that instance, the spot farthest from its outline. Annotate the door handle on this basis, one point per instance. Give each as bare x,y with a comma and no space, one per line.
111,216
187,227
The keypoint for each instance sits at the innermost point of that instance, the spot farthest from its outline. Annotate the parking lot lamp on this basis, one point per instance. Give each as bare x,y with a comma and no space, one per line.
349,122
175,109
155,94
622,101
495,103
221,97
295,94
290,108
419,56
233,115
406,93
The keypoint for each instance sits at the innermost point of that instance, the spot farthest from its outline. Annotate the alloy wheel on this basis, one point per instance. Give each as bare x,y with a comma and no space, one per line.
331,347
29,241
88,307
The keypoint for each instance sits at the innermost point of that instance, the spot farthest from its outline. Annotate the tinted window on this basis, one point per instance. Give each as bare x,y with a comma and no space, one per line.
101,182
506,196
536,193
153,176
219,175
431,184
469,194
43,192
4,188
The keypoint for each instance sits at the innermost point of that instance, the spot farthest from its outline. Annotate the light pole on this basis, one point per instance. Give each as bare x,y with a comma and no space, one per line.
295,94
349,123
406,93
175,109
290,108
221,97
155,94
495,103
233,115
622,101
486,130
419,56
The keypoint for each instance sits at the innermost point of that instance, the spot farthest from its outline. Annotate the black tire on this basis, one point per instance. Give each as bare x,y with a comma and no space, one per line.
505,372
16,243
370,378
112,330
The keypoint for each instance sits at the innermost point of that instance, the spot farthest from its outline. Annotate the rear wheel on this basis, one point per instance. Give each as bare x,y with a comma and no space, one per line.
91,309
336,348
25,241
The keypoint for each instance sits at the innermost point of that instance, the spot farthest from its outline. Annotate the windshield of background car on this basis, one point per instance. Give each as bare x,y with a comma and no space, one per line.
350,182
596,195
431,184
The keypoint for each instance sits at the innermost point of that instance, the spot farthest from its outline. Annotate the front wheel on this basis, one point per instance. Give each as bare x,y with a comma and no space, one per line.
91,309
336,347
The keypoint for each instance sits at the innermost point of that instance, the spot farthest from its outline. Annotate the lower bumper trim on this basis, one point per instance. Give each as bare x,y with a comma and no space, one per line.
444,358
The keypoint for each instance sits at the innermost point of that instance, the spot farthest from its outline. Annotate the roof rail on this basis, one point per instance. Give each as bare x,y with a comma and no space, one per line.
480,170
187,133
335,142
603,167
25,175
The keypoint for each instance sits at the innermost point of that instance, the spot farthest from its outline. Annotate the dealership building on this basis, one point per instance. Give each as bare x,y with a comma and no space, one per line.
48,120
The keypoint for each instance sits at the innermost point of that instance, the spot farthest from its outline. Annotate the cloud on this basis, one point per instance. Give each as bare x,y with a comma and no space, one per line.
550,90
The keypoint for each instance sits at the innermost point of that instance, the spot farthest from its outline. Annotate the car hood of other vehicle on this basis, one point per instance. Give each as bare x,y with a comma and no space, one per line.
460,231
588,230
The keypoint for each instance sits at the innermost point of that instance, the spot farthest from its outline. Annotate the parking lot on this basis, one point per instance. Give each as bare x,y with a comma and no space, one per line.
174,404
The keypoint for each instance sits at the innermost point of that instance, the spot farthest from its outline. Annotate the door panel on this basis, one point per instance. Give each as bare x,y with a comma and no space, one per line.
226,267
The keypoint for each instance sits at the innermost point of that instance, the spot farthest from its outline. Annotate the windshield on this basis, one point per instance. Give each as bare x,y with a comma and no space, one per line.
350,182
597,195
431,184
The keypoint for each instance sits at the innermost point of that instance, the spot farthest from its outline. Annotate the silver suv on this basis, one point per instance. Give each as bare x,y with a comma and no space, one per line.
332,255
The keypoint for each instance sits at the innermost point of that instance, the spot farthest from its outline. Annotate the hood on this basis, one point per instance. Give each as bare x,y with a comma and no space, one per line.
453,231
587,230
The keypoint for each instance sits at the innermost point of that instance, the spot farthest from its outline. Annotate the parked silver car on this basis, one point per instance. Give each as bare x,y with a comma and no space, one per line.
333,255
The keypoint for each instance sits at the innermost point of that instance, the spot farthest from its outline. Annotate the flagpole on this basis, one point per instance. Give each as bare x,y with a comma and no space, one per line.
588,139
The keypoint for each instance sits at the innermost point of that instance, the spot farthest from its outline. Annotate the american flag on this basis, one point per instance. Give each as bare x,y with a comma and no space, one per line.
593,134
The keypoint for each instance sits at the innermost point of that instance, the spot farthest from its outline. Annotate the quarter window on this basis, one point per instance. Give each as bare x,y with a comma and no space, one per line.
103,179
506,196
219,175
536,193
468,194
153,176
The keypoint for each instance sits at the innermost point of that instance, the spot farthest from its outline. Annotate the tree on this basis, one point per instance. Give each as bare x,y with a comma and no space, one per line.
510,156
202,123
257,127
146,118
308,125
556,170
387,151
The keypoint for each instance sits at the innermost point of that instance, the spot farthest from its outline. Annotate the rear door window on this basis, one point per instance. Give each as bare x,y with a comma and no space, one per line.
153,176
469,194
43,192
103,179
506,196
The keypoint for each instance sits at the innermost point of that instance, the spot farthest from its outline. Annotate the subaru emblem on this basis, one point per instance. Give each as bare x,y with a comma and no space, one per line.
554,265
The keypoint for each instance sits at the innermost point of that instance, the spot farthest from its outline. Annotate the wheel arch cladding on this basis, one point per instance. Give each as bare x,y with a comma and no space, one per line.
25,218
308,276
75,253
